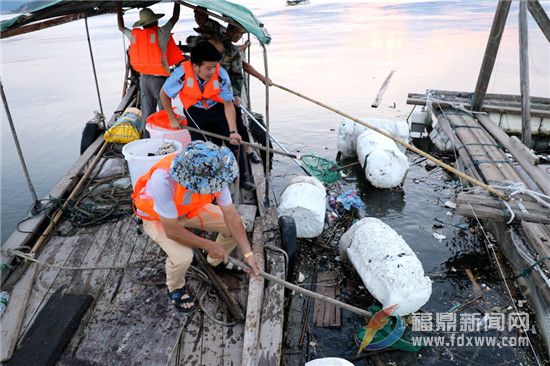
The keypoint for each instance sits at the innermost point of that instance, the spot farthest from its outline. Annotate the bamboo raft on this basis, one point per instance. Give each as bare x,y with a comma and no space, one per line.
486,152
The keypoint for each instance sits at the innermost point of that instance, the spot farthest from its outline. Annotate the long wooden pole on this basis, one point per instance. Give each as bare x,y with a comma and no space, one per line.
524,74
499,21
540,16
225,138
403,143
75,191
303,291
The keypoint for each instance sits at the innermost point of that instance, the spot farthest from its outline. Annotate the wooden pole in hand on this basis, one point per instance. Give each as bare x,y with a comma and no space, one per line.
303,291
405,144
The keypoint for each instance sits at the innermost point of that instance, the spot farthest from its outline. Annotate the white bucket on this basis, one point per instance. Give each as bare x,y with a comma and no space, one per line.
182,136
136,153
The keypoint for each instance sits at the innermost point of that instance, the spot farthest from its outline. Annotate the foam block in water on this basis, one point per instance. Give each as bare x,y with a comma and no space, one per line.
384,164
329,361
304,199
348,132
387,265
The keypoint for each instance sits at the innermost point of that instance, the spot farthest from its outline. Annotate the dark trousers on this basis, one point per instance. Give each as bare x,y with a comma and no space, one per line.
213,120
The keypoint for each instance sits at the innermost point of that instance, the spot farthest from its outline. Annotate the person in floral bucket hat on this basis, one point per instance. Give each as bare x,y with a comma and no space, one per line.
178,193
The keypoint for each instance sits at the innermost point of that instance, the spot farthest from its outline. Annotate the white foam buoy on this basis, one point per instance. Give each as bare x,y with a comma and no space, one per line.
384,164
387,265
348,132
304,198
329,361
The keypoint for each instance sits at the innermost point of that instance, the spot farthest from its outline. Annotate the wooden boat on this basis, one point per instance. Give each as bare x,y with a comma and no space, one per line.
97,296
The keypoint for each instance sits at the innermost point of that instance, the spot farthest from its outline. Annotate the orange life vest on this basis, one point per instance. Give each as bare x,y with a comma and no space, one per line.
191,92
187,203
146,56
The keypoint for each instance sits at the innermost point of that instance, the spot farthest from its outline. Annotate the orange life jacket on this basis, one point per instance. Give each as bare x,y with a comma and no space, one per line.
191,92
187,203
146,55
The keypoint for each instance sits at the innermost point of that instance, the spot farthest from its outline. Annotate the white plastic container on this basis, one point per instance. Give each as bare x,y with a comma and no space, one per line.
182,136
384,164
136,153
387,265
304,198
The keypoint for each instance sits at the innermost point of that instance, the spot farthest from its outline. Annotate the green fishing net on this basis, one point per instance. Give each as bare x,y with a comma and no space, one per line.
321,168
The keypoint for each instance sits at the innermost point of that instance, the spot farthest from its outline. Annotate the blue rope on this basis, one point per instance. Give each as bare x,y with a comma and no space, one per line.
527,271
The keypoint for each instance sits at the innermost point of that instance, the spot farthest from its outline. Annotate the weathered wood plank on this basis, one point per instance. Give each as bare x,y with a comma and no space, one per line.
538,236
326,313
271,329
254,303
10,323
213,333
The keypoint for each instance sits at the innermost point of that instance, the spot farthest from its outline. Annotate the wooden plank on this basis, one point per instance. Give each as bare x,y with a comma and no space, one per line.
382,90
537,174
540,16
525,152
491,50
485,212
140,323
538,236
52,330
271,328
41,25
254,302
524,75
213,333
12,319
326,314
486,200
248,214
61,248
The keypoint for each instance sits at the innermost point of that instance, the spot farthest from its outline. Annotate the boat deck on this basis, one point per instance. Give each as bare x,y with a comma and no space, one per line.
130,317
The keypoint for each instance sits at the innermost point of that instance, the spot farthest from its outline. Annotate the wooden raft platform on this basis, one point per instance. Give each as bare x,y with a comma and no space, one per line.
486,152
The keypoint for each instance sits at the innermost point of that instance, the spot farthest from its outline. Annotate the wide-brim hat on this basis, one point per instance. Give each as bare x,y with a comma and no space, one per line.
146,17
204,168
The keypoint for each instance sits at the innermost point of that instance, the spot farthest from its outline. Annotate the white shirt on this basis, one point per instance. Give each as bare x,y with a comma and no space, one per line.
161,188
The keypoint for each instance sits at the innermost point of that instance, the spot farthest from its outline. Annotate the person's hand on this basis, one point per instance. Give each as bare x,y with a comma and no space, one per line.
235,138
216,251
175,123
266,81
252,261
237,100
244,46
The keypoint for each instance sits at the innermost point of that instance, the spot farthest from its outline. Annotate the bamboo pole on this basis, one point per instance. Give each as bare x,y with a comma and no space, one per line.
59,213
405,144
524,74
225,138
491,50
303,291
540,16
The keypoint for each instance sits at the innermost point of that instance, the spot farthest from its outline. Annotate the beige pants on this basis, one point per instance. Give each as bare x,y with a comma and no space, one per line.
210,218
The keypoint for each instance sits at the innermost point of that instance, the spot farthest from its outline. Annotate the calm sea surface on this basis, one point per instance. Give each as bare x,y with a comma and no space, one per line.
338,52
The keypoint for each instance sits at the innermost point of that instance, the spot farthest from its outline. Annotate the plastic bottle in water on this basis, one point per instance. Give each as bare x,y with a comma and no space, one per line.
4,297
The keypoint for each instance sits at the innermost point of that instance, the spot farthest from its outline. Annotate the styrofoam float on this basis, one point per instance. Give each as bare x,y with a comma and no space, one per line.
388,267
329,361
384,164
304,198
348,132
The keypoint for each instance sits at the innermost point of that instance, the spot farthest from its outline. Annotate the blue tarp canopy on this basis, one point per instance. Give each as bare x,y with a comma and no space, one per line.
67,10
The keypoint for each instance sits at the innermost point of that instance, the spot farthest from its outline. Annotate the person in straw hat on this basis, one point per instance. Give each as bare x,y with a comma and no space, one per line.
177,193
152,51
